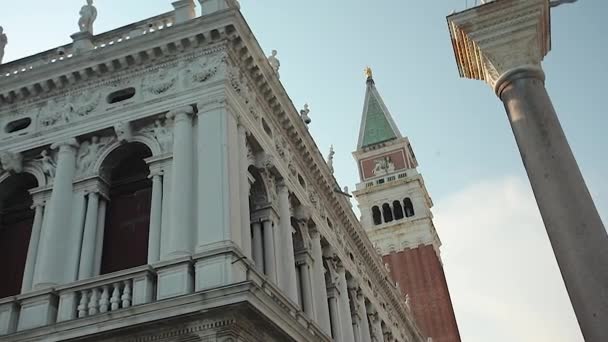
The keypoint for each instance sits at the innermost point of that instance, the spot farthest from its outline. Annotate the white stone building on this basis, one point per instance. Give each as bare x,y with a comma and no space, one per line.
157,184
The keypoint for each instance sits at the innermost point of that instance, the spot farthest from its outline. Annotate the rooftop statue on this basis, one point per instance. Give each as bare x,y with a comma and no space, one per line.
368,72
88,14
3,42
330,159
304,114
274,62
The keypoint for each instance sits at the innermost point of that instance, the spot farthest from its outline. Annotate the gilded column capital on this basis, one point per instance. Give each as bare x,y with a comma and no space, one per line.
498,40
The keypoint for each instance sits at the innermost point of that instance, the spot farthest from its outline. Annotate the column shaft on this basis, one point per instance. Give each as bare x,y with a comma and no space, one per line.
365,332
155,219
32,251
244,197
54,250
336,324
307,295
576,232
270,267
181,216
346,315
258,243
287,276
219,190
101,220
320,295
87,256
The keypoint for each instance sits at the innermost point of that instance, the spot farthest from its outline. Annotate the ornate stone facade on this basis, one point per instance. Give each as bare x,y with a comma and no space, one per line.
174,139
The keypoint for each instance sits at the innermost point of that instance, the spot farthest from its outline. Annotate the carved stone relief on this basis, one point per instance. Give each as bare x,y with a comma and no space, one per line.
162,131
88,152
158,82
11,162
69,109
48,164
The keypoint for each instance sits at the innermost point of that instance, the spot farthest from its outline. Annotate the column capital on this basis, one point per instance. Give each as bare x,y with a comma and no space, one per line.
180,113
70,144
495,41
210,104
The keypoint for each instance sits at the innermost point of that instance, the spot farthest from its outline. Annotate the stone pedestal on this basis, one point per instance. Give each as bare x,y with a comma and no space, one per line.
506,53
184,10
82,41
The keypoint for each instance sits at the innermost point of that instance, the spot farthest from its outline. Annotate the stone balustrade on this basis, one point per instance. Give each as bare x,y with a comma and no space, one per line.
127,290
66,52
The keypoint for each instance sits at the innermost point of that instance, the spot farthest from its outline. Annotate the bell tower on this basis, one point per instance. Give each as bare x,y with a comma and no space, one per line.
396,214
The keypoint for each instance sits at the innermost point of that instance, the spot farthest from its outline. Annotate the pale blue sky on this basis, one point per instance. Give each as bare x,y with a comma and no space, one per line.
458,128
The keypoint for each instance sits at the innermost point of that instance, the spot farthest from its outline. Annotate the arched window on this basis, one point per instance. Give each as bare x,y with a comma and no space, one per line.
377,215
387,213
16,219
408,207
397,210
125,242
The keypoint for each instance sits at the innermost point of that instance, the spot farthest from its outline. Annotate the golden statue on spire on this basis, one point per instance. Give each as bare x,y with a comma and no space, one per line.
368,72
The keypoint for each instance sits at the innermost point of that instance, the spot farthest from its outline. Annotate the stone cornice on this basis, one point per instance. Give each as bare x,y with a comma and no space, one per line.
495,38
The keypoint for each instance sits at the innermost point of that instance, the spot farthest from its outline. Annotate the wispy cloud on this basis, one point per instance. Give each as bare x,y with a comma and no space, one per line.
503,277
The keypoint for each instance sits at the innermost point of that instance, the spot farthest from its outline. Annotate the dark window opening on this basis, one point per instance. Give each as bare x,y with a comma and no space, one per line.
387,213
16,219
121,95
125,242
408,207
376,215
398,210
18,125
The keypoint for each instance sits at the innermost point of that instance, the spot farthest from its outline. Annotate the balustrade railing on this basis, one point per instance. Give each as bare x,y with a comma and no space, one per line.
382,180
123,290
66,52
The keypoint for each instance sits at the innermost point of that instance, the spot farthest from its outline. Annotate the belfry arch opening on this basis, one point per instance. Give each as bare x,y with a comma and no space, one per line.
127,220
16,219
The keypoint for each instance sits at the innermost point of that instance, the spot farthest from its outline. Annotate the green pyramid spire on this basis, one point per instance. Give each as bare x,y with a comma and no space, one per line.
377,124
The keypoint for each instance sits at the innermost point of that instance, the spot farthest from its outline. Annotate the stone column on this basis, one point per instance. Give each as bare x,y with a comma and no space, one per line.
346,315
287,276
334,311
507,54
54,250
320,289
219,193
101,220
87,256
156,210
376,324
258,243
308,305
182,214
32,251
245,187
365,332
270,266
